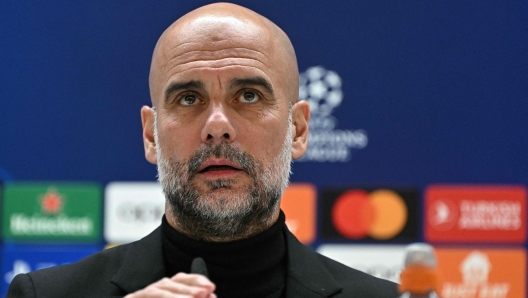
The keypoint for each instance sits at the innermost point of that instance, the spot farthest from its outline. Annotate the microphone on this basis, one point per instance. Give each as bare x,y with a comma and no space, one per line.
198,267
419,278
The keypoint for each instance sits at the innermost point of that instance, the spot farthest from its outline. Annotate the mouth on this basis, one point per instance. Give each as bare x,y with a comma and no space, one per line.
218,168
214,169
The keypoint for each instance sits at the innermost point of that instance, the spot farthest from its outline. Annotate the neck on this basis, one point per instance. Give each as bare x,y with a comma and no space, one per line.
252,267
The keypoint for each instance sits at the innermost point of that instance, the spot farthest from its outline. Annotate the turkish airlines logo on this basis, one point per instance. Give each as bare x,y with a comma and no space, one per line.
476,213
486,215
443,215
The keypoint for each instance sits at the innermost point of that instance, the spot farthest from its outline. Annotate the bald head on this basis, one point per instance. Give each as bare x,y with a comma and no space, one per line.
224,78
225,35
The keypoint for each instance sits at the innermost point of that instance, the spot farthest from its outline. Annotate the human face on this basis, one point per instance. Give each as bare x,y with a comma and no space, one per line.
217,216
221,91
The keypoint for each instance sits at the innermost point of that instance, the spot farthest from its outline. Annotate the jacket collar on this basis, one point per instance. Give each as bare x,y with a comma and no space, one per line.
307,277
146,258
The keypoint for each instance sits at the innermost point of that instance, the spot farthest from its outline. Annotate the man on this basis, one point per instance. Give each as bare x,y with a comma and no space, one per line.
224,126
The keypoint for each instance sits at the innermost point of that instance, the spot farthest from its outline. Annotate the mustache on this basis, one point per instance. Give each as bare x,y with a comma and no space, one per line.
225,151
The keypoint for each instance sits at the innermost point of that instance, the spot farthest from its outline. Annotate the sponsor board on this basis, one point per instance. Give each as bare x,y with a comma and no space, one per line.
475,214
482,273
52,212
371,215
299,203
132,210
17,258
383,261
321,88
5,175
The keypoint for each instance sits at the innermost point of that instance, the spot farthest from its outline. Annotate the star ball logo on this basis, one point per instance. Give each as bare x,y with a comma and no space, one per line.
370,214
321,88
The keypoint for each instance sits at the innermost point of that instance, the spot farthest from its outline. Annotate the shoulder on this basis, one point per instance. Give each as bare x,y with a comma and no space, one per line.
91,274
110,272
315,273
104,262
357,282
21,286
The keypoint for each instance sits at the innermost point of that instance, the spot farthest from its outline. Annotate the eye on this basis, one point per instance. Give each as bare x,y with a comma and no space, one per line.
188,100
249,97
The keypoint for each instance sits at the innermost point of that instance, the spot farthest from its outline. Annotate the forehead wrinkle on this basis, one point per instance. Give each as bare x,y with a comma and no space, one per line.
218,43
212,67
220,53
218,63
215,57
238,51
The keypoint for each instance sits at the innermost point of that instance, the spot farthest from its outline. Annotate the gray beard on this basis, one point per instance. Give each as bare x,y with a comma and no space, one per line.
224,215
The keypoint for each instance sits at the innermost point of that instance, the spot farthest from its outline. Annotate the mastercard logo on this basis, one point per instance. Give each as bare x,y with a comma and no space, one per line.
381,214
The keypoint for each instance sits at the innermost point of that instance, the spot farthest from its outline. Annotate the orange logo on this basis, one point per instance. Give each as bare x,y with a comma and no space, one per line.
482,273
299,203
475,214
382,214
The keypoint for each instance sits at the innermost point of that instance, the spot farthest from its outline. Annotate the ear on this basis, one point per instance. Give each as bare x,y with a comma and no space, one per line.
300,118
147,119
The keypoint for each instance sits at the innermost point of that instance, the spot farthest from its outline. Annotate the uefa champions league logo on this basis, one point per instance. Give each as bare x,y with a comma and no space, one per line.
322,89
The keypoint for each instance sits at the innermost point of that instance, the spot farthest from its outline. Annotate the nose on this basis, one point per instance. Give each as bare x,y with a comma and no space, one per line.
218,127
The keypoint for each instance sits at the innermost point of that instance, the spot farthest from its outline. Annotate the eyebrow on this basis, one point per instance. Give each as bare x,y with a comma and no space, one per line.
177,86
254,81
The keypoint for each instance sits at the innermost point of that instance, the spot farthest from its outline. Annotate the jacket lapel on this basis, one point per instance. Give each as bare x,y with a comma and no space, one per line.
142,265
307,277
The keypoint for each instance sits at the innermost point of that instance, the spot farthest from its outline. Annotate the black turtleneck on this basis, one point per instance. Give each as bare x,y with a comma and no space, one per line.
254,267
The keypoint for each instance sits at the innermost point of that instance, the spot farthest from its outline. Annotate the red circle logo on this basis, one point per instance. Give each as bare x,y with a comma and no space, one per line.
381,214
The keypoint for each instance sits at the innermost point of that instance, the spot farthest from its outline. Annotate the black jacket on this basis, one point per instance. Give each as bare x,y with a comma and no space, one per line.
127,268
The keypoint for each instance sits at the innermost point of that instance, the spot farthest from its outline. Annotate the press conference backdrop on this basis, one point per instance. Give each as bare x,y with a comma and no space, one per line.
419,121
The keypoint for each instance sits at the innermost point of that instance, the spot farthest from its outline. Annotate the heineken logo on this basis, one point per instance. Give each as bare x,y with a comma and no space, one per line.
60,225
51,202
52,212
